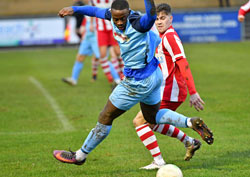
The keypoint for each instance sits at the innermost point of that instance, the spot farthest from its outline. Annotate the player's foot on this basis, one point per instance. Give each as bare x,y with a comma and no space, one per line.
69,81
191,148
67,157
200,127
152,166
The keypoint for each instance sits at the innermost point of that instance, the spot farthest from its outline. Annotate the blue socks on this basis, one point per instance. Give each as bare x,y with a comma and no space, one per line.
167,116
77,68
95,137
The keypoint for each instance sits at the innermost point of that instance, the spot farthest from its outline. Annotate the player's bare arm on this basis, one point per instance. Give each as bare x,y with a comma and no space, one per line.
66,11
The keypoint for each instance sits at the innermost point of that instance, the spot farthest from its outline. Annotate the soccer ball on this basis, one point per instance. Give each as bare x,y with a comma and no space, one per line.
169,170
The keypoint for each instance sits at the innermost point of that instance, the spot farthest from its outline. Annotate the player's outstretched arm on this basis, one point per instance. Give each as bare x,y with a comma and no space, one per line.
84,10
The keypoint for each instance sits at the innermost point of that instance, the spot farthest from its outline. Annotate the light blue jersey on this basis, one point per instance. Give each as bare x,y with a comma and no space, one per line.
137,48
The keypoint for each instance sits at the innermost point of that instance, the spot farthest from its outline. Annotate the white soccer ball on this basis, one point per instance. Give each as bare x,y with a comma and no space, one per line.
169,170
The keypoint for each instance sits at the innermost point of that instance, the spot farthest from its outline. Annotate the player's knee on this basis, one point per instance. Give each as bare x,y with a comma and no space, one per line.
139,120
105,118
80,58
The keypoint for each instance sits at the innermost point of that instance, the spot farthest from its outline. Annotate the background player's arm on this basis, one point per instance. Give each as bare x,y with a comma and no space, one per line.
243,11
195,99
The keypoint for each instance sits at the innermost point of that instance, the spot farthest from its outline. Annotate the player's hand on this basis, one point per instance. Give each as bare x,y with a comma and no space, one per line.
196,101
241,18
66,11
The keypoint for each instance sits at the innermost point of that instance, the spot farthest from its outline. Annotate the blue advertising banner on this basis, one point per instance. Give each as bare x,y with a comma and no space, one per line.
211,26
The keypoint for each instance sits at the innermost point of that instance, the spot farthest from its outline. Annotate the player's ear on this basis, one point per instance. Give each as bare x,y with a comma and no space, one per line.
171,18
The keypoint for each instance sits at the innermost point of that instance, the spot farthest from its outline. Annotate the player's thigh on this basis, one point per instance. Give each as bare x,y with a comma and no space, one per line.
149,111
103,38
95,48
124,97
109,113
85,48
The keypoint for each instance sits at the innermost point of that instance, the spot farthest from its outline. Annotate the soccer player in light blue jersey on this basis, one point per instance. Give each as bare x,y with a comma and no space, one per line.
142,75
87,47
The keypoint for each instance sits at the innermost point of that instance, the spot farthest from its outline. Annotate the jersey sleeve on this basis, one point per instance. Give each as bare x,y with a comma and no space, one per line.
103,13
173,45
144,23
244,9
187,75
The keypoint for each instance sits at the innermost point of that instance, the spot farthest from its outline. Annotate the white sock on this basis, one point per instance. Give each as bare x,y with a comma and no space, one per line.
189,124
159,160
80,155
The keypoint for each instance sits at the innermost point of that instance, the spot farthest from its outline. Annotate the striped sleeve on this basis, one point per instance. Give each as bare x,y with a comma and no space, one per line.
173,45
244,9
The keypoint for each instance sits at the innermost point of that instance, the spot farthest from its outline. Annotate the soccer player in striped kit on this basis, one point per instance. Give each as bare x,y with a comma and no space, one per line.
106,39
243,11
142,80
177,78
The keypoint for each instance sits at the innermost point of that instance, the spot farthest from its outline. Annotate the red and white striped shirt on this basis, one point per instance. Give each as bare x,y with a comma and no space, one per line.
244,9
102,25
170,50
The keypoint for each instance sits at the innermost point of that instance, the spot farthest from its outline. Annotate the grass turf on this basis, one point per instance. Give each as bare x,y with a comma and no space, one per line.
30,129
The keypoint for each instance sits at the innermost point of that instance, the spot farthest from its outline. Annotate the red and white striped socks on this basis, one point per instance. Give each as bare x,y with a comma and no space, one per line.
150,142
106,69
172,131
95,63
118,65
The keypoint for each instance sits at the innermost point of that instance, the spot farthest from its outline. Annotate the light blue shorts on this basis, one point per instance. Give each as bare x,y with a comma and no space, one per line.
129,92
89,46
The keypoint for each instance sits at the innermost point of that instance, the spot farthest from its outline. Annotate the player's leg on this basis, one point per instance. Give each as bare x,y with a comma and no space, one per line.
95,63
115,56
83,51
119,101
94,138
167,116
115,63
190,143
114,73
149,140
103,47
95,58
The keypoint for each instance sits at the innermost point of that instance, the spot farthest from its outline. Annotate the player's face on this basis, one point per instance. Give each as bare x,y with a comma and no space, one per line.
120,18
163,22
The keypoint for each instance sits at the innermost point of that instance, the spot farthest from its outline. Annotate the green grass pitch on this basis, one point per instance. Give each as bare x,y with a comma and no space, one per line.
30,128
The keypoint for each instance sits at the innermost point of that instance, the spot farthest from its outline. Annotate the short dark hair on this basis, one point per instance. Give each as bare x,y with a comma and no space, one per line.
120,5
163,7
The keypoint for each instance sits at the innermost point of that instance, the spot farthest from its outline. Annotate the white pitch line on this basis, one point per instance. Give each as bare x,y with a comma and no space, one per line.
61,117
